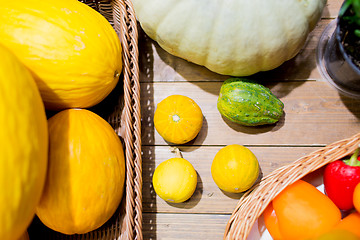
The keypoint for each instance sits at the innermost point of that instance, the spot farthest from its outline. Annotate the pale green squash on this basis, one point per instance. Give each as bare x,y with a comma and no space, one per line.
230,37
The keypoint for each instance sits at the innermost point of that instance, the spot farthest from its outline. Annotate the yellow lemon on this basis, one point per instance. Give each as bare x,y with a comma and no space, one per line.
178,119
175,180
235,168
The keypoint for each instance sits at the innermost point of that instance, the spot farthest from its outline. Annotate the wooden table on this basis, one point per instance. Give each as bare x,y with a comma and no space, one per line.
315,115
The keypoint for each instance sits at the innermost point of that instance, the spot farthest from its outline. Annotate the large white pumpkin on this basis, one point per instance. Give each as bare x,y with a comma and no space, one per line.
230,37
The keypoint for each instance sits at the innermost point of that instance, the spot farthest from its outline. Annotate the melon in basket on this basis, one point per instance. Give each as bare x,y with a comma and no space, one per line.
24,146
72,51
230,37
85,180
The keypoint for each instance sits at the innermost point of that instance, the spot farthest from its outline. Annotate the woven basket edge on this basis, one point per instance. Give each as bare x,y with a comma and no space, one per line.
237,229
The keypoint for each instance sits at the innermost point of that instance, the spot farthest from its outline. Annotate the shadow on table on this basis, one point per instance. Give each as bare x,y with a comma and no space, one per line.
297,68
146,77
353,105
279,80
256,129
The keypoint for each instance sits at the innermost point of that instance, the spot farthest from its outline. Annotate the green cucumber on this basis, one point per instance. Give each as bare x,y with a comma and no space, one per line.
248,103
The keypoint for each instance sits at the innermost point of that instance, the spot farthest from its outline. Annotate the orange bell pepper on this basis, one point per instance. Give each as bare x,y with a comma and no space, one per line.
338,234
356,197
346,229
303,212
271,222
350,223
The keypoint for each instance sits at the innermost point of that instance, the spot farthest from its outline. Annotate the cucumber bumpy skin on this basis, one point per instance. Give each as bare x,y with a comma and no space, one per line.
248,103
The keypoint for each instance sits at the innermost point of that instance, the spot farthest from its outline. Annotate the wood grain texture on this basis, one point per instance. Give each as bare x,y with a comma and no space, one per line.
208,198
332,8
314,114
184,226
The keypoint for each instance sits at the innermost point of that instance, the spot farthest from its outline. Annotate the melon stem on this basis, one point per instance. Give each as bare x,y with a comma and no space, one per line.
176,118
176,151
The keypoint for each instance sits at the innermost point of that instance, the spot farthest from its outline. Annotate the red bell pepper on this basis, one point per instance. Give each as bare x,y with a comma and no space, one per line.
340,179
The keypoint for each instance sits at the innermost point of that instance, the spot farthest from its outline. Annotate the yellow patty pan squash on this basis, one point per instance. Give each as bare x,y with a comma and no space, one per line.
72,51
178,119
175,180
85,180
23,148
235,168
231,37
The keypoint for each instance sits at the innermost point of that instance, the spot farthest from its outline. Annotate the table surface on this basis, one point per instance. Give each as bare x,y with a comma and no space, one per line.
315,115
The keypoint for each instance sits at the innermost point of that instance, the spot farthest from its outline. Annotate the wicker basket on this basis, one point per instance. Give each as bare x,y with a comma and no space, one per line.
252,204
122,110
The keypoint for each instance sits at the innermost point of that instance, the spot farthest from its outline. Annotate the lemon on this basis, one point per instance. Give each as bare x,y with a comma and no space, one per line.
235,168
175,180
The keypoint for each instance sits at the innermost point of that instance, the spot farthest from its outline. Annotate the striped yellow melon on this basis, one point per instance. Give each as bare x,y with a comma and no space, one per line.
72,51
23,148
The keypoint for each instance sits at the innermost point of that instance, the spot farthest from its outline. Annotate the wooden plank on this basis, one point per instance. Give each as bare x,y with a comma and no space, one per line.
331,9
315,114
208,198
184,226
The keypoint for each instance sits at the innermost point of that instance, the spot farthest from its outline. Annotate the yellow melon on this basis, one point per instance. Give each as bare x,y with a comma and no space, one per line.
235,168
86,173
24,146
175,180
72,51
25,236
